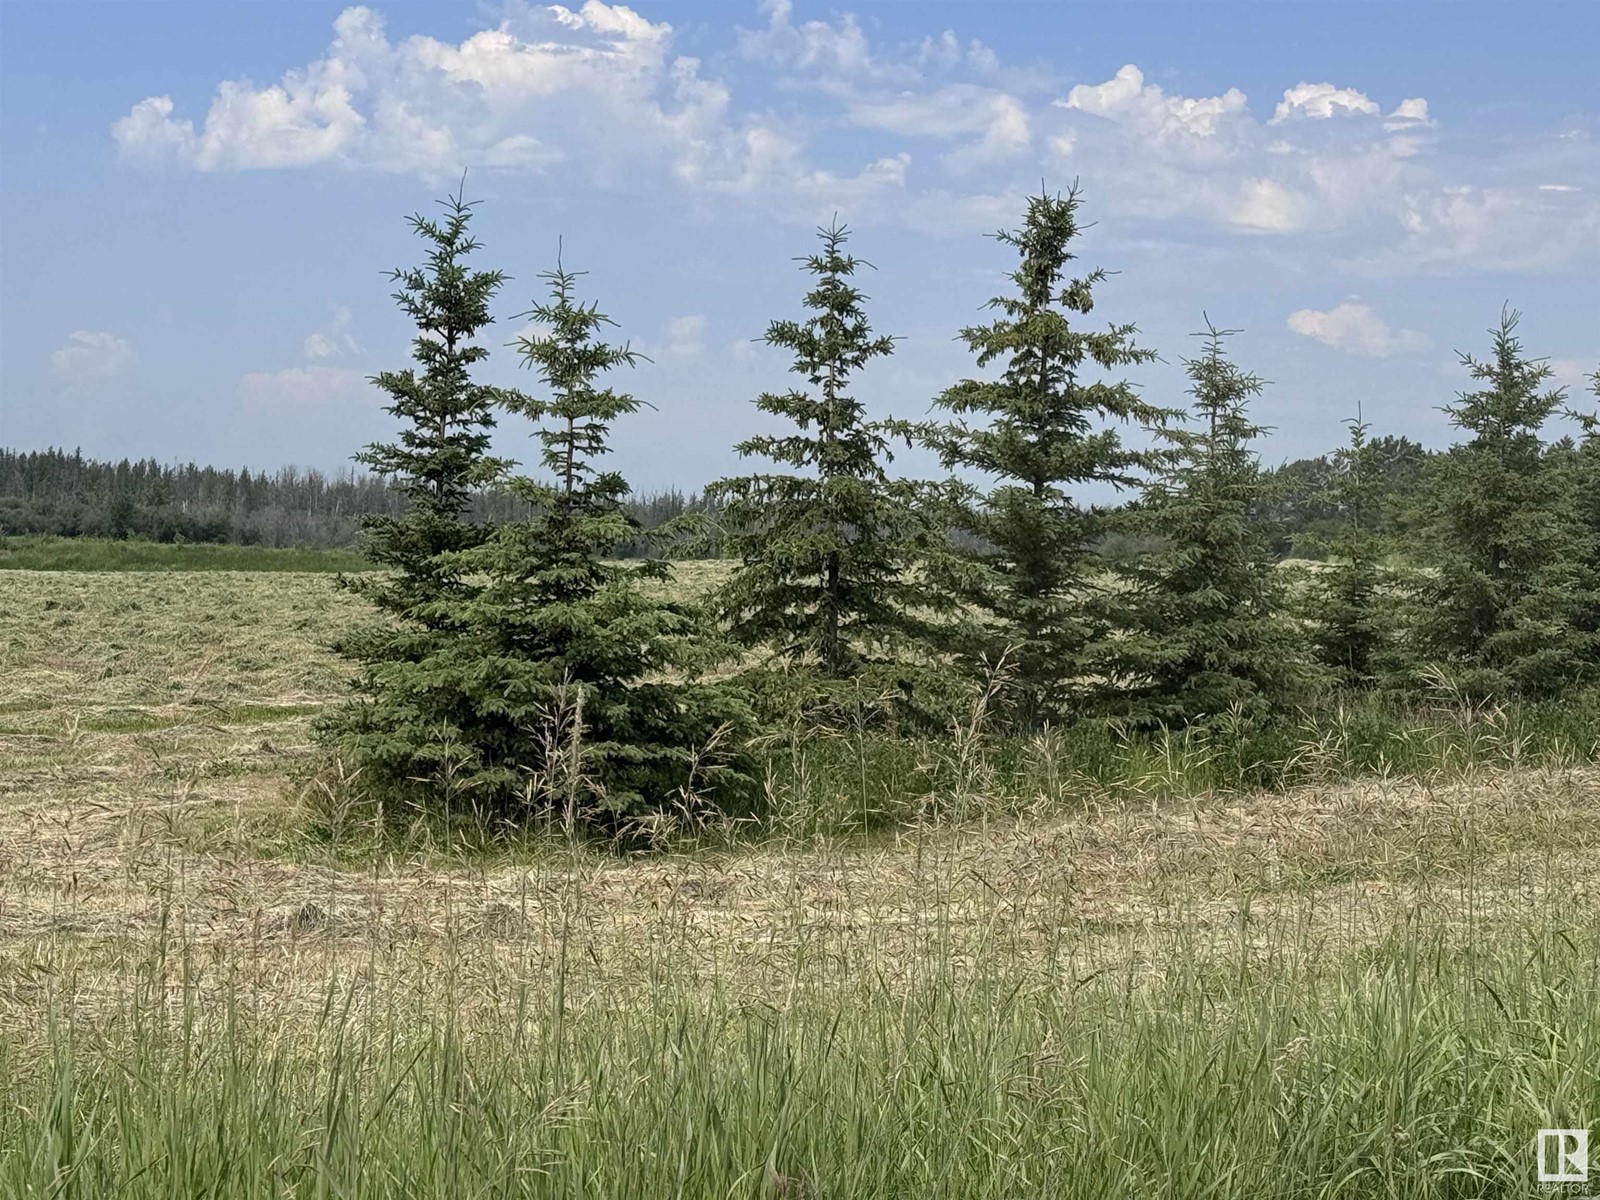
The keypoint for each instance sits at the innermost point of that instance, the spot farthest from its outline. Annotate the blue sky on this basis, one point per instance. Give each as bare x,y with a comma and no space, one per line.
198,202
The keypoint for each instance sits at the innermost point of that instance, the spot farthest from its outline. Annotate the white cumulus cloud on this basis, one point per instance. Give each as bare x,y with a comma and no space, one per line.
1321,101
594,89
1127,99
1356,329
1408,111
599,95
89,357
532,90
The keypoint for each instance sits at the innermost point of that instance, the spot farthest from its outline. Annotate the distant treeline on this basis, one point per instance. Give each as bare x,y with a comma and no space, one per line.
1301,513
61,494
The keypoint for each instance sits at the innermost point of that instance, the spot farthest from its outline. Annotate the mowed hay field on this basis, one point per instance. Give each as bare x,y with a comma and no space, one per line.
210,986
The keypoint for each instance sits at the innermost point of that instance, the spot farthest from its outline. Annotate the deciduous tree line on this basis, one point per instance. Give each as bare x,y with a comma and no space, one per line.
519,668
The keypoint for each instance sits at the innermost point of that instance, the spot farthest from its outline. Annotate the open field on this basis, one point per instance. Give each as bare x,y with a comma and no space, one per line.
214,982
102,554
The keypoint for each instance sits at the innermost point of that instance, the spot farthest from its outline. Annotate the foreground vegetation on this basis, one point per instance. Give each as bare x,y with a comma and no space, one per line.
1033,977
1254,1065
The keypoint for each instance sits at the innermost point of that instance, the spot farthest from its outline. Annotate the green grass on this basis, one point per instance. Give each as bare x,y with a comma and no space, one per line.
832,782
1418,1068
99,554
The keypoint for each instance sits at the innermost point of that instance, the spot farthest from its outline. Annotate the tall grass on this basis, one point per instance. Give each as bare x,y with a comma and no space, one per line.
1418,1067
843,780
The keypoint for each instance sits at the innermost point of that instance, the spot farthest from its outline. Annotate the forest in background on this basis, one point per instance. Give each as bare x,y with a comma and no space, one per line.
57,493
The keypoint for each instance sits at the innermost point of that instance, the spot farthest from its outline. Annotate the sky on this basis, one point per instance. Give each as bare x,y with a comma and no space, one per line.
200,203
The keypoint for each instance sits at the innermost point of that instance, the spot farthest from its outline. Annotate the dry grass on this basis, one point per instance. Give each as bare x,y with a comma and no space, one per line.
152,726
1377,988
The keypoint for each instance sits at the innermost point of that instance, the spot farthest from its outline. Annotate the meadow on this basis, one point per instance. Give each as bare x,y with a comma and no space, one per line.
41,553
1071,966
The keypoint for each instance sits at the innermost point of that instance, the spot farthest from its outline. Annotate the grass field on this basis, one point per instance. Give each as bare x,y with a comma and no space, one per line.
102,554
1053,974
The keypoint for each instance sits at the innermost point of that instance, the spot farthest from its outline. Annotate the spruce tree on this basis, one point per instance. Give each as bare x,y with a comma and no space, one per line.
583,660
1585,468
827,550
1576,463
1350,633
415,680
1500,615
1042,431
1201,633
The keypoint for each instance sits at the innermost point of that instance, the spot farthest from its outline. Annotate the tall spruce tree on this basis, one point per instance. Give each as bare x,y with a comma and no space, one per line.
583,663
442,455
416,677
827,551
1501,614
1042,431
1351,633
1576,463
1201,633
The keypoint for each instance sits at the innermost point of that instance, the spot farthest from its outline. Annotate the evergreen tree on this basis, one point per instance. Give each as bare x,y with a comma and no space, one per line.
417,675
442,455
1500,614
1351,636
1577,467
577,703
1201,632
827,552
1041,431
1585,467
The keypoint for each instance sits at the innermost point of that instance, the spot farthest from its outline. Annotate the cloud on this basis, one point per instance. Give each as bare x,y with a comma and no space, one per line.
772,167
594,91
1407,112
544,86
149,133
1356,329
1207,158
1501,227
903,92
940,134
309,387
89,358
334,338
1575,374
1320,101
684,341
1384,195
1126,99
1267,205
996,124
840,49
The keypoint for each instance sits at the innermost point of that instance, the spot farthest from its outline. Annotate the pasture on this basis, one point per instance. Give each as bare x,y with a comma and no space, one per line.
213,981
